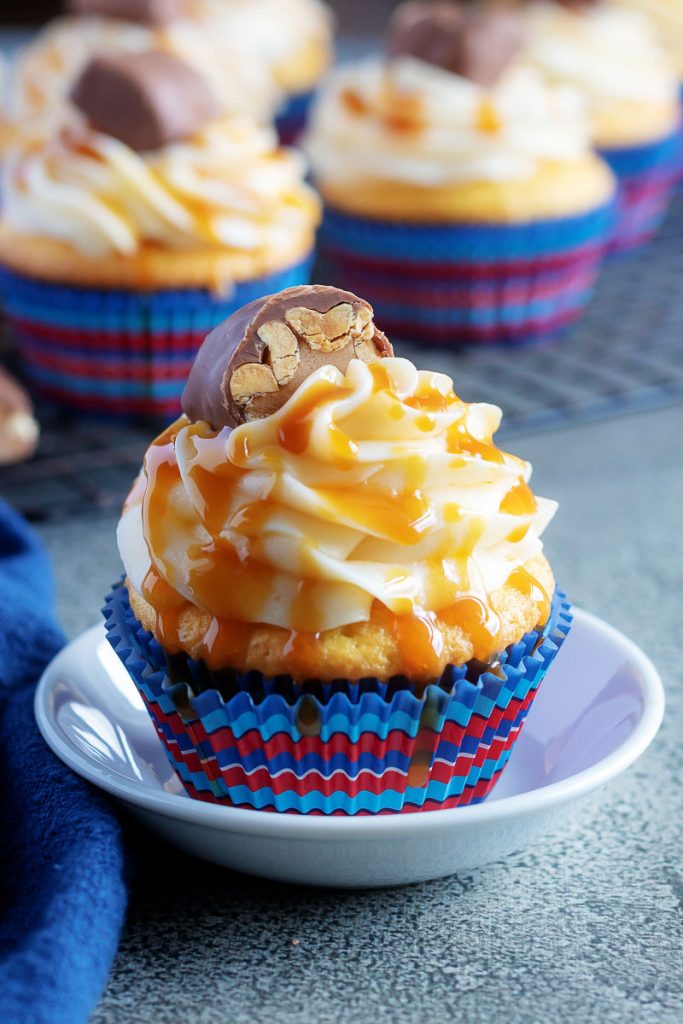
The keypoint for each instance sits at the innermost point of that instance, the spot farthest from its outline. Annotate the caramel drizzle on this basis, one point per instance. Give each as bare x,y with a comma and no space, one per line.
232,583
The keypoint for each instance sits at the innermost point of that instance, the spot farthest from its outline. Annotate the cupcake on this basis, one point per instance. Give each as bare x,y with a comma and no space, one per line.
138,224
261,57
667,19
45,70
460,190
335,595
631,88
292,39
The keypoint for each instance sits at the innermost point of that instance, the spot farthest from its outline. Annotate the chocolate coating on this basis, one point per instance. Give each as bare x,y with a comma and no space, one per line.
144,12
475,42
146,100
253,336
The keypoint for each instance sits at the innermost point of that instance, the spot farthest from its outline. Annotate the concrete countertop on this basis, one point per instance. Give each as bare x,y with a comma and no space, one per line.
587,926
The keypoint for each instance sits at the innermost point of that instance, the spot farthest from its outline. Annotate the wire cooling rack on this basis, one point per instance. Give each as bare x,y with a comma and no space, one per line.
624,355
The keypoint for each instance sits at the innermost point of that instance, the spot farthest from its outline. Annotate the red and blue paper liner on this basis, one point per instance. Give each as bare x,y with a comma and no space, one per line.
451,284
116,352
292,117
647,176
340,747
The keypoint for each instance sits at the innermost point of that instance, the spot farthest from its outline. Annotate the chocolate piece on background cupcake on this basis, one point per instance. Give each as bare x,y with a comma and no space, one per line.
252,363
611,57
475,42
461,192
354,581
45,70
136,224
146,100
262,57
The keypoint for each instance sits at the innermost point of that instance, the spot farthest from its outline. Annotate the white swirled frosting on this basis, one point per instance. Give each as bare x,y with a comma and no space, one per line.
229,186
273,31
667,17
607,53
380,484
47,68
408,121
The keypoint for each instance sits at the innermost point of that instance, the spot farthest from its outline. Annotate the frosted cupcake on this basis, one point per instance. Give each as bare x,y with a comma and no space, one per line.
336,598
667,18
260,57
294,41
140,223
613,58
460,190
45,70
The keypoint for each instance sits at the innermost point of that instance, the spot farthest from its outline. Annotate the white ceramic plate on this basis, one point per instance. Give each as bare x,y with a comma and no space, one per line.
597,711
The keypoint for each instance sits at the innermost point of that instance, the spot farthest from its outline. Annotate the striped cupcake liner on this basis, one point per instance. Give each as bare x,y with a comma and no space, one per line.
292,117
647,177
115,352
340,747
462,284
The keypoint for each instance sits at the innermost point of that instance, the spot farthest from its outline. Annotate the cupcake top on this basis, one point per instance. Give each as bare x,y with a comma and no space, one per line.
449,103
293,38
325,509
141,159
192,30
611,55
667,17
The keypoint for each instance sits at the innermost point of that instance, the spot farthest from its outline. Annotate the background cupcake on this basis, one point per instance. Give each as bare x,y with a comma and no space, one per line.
460,190
293,39
612,56
336,599
140,223
260,57
667,18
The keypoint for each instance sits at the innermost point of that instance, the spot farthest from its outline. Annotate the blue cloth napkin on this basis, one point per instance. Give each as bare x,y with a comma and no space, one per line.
62,869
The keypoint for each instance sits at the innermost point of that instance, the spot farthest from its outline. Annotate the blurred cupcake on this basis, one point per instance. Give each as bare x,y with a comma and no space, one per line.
46,69
613,58
137,226
667,18
260,57
460,190
336,598
293,39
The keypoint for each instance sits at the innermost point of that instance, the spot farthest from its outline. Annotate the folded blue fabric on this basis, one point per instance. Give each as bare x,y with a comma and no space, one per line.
62,871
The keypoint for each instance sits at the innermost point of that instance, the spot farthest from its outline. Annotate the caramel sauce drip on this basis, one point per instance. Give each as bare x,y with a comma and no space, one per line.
487,119
294,430
522,580
478,620
301,652
354,102
459,440
168,605
519,533
519,501
401,112
401,518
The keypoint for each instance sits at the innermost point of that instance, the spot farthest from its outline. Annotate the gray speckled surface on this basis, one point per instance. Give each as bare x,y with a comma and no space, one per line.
588,926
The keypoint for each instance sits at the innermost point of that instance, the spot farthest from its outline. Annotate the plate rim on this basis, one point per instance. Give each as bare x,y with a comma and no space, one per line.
358,828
